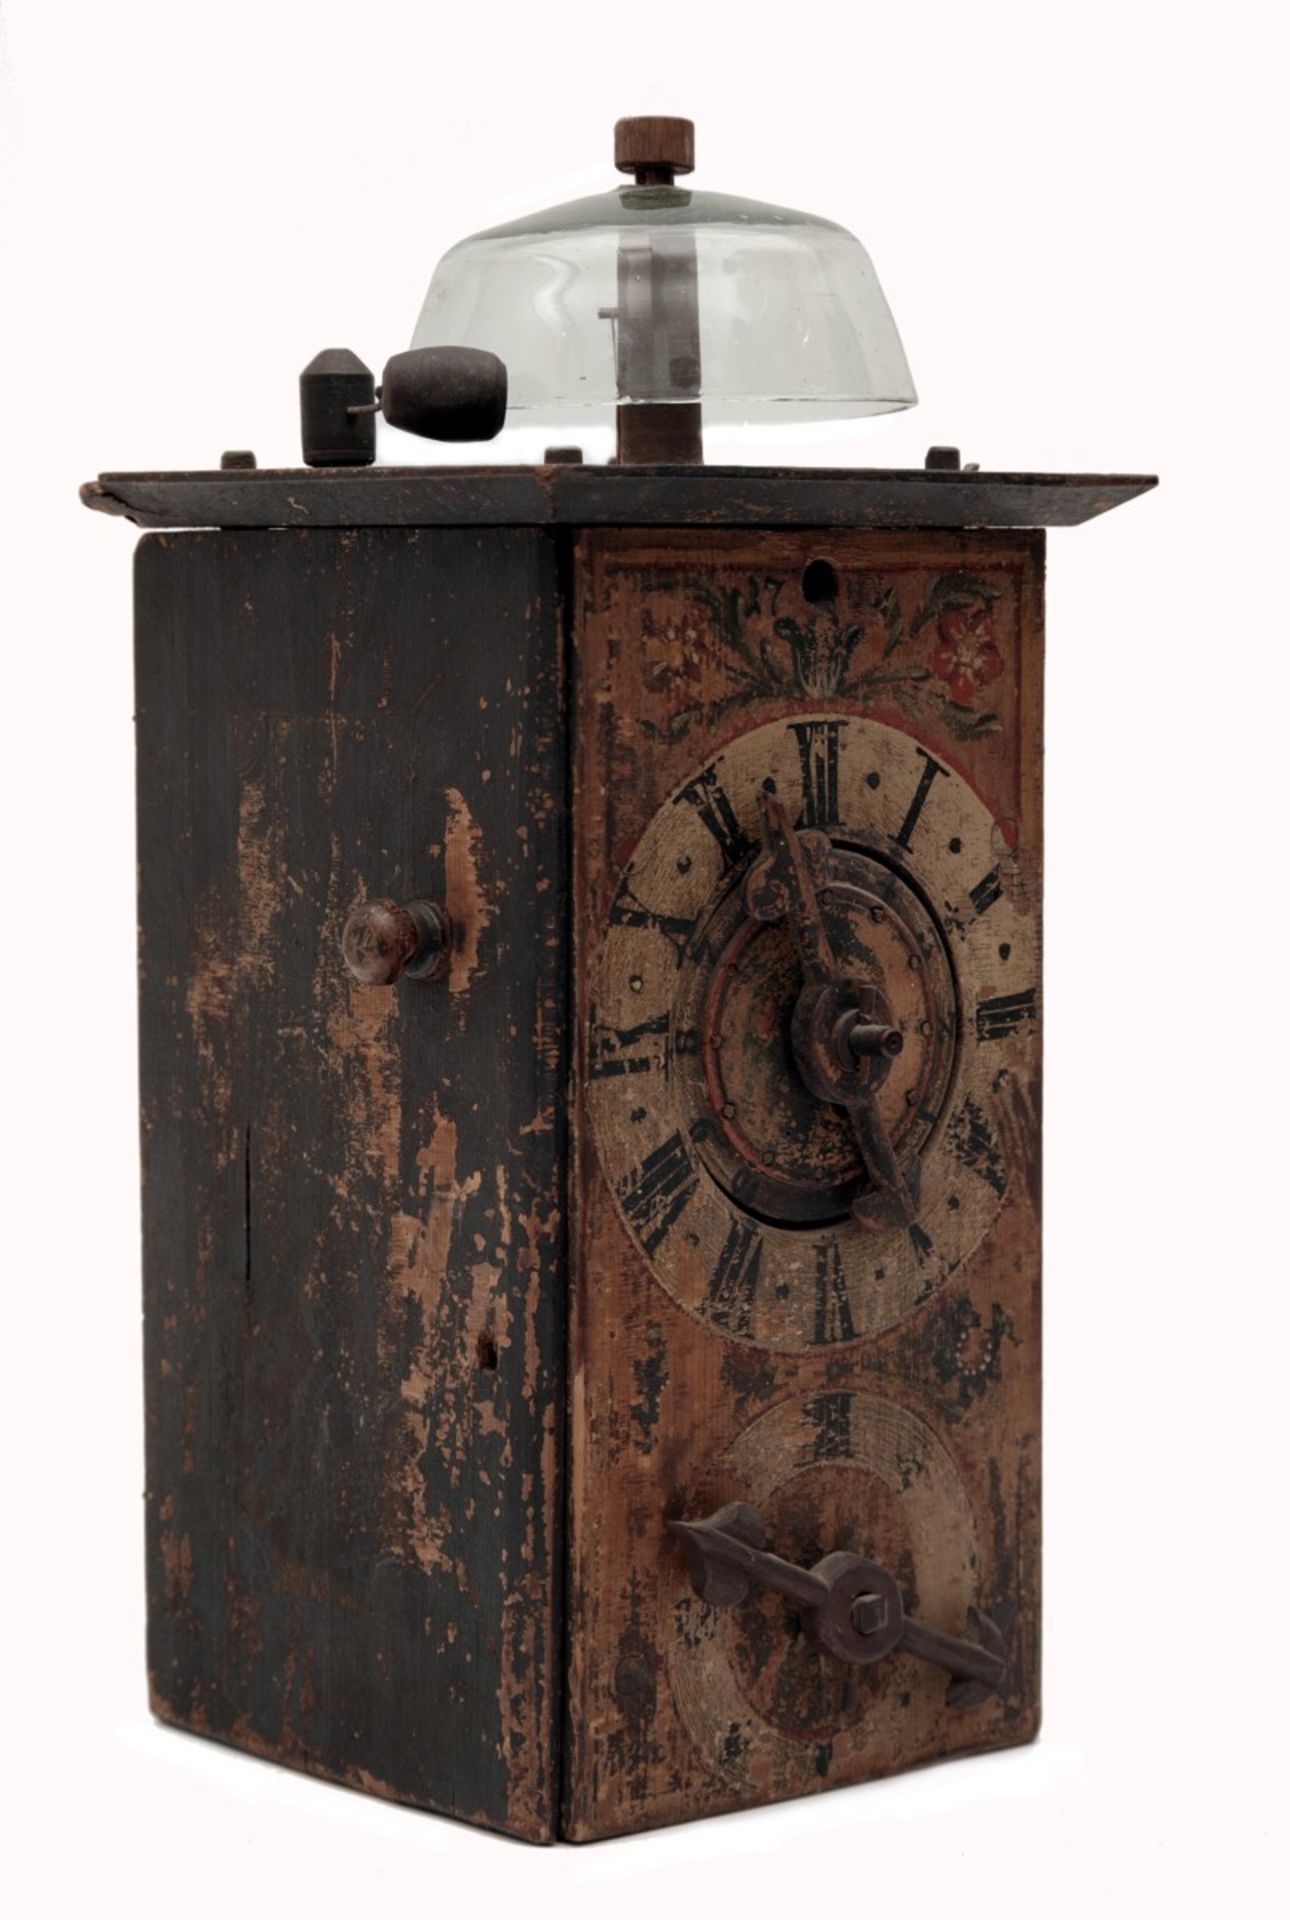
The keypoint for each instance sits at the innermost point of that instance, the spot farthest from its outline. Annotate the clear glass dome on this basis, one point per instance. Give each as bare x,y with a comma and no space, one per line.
657,295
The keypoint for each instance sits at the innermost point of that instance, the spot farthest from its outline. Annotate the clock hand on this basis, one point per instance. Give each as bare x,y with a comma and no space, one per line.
727,1554
893,1197
866,1046
853,1607
780,885
842,1055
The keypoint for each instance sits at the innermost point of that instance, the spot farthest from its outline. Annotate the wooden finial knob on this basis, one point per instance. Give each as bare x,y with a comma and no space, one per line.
382,941
654,148
337,394
445,393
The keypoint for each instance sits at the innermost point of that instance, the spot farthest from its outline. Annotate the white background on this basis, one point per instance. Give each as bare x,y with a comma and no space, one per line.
1077,217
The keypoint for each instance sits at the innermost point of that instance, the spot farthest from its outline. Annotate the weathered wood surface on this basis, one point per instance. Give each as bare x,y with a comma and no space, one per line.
876,1396
353,1226
356,1255
577,496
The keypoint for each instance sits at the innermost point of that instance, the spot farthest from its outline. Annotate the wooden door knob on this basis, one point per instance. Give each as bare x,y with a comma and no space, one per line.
381,941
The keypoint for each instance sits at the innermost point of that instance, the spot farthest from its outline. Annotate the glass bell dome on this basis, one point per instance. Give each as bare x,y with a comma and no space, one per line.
654,297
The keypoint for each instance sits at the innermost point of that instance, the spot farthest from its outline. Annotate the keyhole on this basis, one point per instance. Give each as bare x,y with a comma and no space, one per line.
819,583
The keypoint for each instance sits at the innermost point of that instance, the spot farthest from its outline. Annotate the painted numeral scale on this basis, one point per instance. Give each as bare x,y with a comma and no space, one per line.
590,1052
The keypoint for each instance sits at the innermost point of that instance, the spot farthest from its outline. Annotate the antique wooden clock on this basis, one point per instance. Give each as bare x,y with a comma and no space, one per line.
590,1037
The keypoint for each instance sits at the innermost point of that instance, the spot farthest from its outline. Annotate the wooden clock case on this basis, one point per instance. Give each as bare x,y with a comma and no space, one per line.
425,1382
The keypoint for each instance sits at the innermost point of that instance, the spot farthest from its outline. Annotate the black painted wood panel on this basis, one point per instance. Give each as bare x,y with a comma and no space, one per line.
353,1225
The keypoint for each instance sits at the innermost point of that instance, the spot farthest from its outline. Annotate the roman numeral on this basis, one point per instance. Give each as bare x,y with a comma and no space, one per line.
832,1302
831,1413
972,1142
732,1289
996,1019
817,743
627,911
986,892
613,1050
712,804
919,801
657,1194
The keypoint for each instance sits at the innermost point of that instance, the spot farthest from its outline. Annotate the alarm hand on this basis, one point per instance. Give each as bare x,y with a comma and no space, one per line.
852,1607
727,1555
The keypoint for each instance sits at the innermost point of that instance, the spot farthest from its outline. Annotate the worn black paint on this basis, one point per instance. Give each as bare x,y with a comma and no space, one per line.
277,1340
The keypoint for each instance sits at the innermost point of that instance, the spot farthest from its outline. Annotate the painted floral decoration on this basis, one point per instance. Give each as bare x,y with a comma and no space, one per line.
674,653
965,657
819,653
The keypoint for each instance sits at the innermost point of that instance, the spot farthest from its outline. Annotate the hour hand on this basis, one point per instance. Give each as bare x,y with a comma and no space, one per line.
782,884
890,1201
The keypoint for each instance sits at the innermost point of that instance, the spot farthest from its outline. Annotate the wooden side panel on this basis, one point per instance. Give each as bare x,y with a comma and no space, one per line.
897,1416
353,1232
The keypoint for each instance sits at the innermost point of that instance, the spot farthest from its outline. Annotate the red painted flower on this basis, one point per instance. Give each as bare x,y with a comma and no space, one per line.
966,657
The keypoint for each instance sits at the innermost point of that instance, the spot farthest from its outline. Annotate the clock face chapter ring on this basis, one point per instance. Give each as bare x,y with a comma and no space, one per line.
819,880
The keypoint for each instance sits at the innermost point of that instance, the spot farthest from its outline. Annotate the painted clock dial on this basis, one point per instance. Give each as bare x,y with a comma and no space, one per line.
865,1474
814,981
